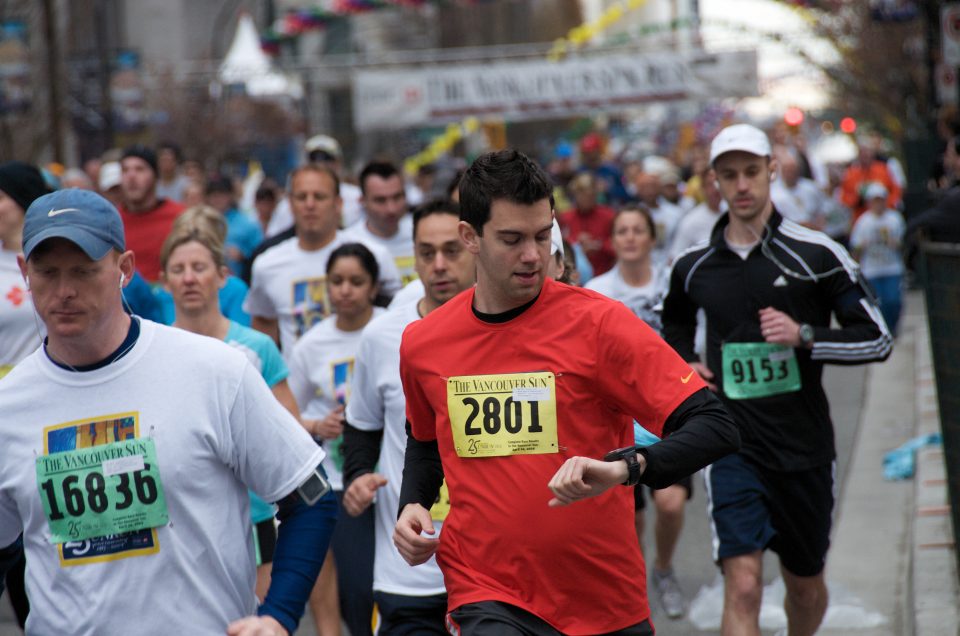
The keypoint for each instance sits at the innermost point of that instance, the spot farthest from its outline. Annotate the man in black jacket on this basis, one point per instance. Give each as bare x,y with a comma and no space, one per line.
768,288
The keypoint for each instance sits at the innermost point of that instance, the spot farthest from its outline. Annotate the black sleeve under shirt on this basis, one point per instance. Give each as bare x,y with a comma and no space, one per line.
361,450
697,433
422,473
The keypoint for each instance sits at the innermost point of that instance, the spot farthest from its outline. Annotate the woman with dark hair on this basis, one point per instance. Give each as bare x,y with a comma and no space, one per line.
321,369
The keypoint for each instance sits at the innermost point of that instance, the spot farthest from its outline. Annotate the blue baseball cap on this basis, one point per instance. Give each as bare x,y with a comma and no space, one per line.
82,217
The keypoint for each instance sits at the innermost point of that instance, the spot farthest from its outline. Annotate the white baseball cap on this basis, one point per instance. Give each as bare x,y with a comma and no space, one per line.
875,190
325,144
740,137
110,175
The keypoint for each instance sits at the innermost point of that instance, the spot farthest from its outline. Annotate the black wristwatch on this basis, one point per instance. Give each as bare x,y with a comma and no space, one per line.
806,335
629,455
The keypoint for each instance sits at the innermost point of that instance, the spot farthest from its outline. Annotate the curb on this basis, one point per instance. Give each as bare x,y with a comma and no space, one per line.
933,581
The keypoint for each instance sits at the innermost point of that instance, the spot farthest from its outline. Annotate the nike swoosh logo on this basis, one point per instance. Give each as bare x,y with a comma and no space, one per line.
687,379
61,211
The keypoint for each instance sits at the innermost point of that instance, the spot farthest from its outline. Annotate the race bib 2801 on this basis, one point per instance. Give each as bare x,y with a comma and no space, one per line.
499,415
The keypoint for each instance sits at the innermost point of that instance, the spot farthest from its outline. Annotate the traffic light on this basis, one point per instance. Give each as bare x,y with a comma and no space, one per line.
848,125
793,117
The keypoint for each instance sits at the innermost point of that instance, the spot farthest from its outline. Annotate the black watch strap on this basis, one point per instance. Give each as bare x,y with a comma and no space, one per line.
629,455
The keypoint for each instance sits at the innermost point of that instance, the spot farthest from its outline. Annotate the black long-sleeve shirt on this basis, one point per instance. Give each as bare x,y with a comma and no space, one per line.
809,277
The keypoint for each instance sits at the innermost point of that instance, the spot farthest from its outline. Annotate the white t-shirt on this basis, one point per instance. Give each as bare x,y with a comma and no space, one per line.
872,236
173,190
645,301
321,376
378,404
694,228
18,323
412,292
351,212
400,245
290,284
803,203
666,217
217,430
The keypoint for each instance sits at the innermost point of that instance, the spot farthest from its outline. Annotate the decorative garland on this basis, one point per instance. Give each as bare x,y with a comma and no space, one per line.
580,35
441,144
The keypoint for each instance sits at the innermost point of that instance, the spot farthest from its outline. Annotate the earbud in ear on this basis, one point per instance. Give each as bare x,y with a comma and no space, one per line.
28,282
123,277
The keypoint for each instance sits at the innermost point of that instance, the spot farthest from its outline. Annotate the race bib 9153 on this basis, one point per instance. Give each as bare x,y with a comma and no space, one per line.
759,369
101,490
499,415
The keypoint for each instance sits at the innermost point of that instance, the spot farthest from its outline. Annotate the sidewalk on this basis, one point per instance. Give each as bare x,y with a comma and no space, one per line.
893,545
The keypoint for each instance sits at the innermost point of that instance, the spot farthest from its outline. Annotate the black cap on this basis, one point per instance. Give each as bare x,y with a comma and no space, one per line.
219,183
141,152
22,182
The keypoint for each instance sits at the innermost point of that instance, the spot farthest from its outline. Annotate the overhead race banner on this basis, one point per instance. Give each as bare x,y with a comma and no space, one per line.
516,91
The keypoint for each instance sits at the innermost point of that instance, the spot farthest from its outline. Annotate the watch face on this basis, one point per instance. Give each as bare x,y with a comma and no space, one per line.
618,454
806,333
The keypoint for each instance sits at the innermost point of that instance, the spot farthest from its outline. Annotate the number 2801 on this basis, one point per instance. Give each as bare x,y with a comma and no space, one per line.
495,414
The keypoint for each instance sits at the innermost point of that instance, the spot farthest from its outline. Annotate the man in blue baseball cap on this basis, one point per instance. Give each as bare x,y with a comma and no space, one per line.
128,450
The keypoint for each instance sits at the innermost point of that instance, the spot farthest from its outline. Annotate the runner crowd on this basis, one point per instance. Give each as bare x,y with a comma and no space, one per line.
325,271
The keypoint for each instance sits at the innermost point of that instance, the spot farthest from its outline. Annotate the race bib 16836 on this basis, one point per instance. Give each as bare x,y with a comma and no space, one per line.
101,490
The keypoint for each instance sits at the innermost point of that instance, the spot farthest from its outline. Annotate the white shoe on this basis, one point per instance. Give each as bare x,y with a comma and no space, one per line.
669,593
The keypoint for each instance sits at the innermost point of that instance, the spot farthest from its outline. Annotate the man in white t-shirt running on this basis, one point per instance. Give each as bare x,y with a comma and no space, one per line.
288,287
387,223
321,150
695,226
130,488
410,600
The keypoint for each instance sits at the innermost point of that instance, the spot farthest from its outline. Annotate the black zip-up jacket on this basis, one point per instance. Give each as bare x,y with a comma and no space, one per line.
804,274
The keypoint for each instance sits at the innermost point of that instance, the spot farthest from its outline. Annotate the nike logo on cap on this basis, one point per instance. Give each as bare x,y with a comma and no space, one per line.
61,211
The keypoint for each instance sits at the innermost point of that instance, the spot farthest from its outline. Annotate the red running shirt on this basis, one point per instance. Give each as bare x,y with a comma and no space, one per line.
577,567
145,233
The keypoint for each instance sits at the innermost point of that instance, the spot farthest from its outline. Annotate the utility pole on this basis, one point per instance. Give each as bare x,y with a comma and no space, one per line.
55,87
104,71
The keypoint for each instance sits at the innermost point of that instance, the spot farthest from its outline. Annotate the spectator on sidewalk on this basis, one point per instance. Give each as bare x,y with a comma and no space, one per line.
866,169
876,241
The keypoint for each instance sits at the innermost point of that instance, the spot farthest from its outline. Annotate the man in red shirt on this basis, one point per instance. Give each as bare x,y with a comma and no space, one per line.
589,224
867,169
147,219
514,389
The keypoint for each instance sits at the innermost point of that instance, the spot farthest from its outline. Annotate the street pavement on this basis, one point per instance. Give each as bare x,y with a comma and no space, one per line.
892,558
